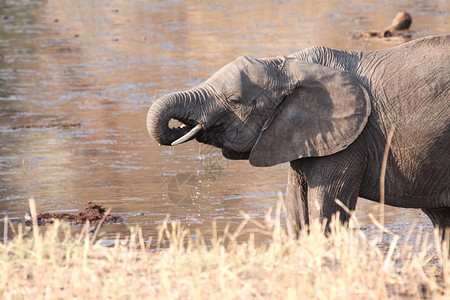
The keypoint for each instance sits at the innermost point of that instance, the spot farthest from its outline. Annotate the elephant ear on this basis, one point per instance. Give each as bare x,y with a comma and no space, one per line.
323,111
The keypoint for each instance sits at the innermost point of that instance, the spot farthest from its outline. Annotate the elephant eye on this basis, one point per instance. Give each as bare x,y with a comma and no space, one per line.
234,99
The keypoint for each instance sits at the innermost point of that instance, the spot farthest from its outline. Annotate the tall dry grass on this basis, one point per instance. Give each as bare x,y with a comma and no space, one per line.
346,264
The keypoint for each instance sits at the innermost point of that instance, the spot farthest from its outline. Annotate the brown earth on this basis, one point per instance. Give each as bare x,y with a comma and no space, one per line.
93,213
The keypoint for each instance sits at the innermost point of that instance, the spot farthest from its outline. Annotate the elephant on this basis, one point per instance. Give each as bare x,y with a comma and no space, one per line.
330,113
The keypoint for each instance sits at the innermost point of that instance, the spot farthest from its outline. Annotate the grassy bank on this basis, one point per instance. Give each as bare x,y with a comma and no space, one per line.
346,265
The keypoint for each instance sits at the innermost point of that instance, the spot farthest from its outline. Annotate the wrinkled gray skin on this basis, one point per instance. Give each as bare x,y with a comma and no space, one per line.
329,112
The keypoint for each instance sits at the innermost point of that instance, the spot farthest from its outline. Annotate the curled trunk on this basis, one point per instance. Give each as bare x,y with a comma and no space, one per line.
184,107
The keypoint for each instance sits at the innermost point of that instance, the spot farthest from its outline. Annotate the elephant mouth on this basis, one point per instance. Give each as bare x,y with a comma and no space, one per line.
190,131
198,131
230,154
212,136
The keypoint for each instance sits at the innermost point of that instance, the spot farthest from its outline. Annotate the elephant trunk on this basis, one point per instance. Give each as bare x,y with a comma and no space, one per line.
183,107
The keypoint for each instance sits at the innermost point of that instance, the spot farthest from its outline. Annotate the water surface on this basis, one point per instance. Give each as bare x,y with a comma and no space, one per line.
101,64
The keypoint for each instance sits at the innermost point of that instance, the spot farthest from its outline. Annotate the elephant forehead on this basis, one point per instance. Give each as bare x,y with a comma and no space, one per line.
239,74
226,80
252,70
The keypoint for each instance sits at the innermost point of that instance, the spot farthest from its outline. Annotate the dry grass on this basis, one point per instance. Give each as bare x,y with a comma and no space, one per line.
345,265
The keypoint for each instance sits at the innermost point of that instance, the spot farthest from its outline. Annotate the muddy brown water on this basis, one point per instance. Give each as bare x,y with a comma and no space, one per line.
98,65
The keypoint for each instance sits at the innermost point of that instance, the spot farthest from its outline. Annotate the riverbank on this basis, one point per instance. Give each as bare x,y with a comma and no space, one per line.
56,263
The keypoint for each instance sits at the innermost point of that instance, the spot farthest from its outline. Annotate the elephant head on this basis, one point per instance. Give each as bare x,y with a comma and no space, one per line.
269,111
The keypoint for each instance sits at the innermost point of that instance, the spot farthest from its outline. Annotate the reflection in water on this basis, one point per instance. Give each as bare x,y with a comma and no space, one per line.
102,63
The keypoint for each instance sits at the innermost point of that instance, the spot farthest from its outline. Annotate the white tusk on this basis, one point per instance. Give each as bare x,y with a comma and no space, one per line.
188,135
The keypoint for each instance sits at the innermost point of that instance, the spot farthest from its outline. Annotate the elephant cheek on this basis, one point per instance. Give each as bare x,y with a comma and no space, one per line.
230,154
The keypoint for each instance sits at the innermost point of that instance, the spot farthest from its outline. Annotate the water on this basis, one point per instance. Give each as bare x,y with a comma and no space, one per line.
102,64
